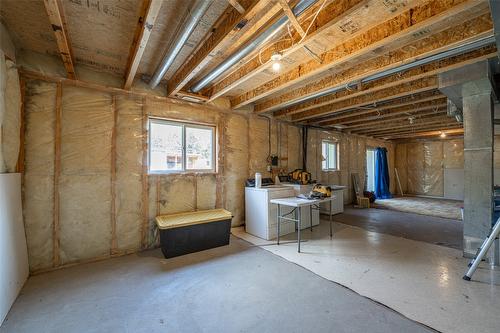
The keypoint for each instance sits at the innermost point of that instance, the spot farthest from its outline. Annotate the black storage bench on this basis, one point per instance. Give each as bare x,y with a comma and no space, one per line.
184,233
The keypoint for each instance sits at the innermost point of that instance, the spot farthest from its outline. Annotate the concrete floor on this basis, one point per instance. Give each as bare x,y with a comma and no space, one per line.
237,288
429,229
422,281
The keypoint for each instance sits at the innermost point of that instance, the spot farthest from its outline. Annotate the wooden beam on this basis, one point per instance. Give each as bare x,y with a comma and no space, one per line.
329,21
58,23
144,178
412,131
423,119
237,6
427,70
382,113
437,122
56,260
404,29
22,127
456,131
292,18
219,36
113,245
417,113
414,87
345,117
145,24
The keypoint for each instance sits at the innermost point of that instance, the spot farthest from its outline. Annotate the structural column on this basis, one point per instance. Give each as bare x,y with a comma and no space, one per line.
470,89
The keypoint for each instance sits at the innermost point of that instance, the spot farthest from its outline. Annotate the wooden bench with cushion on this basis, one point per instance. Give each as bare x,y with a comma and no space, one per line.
189,232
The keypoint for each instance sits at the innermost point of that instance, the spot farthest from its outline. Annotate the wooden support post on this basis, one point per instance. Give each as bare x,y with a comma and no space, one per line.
113,177
57,171
20,157
145,178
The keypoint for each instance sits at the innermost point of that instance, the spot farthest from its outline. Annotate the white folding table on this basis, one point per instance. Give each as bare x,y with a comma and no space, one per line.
297,204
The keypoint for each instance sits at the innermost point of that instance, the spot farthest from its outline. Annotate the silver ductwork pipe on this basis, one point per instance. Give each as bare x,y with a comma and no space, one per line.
464,48
245,49
190,22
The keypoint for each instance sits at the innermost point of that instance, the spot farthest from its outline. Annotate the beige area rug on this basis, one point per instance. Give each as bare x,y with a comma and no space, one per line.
449,209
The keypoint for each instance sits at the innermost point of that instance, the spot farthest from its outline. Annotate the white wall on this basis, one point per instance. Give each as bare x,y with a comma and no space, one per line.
13,253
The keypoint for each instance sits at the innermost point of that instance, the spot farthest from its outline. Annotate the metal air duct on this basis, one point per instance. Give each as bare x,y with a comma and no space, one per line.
190,22
245,49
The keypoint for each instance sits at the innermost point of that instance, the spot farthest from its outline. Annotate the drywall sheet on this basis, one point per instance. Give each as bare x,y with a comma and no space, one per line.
13,254
85,180
236,165
128,179
11,119
39,172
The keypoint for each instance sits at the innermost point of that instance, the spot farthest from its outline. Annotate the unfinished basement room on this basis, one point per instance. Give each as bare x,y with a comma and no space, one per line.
249,166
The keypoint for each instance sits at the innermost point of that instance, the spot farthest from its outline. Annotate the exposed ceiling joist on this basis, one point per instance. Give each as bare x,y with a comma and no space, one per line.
431,124
332,15
410,88
448,132
393,80
412,25
145,23
292,18
413,114
239,8
223,32
431,117
58,23
414,101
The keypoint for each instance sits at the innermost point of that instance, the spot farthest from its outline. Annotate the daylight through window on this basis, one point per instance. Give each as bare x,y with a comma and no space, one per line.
178,146
329,155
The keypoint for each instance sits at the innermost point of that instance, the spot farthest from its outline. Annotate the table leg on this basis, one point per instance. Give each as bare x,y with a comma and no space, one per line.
331,233
278,223
298,221
311,216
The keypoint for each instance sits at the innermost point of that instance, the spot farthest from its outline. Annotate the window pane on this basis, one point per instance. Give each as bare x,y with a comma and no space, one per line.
324,155
166,147
332,156
199,148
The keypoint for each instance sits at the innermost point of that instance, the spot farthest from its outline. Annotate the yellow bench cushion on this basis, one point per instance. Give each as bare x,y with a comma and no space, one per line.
191,218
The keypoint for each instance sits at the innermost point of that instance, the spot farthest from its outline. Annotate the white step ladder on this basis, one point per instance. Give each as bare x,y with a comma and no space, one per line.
481,252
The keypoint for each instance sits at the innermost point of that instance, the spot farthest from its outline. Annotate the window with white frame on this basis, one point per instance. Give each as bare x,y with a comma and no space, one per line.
180,147
330,155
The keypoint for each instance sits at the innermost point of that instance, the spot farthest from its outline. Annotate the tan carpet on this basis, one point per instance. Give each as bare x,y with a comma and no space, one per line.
449,209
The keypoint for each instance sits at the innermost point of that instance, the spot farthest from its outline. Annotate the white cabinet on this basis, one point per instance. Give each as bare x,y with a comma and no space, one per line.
337,202
261,214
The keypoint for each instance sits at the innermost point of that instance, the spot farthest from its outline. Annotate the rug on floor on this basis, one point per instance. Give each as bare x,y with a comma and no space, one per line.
449,209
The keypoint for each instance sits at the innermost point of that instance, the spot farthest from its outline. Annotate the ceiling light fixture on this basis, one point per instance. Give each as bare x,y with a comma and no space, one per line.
442,135
276,59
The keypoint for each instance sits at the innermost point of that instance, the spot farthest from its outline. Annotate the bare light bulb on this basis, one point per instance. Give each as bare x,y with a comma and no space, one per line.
443,135
276,66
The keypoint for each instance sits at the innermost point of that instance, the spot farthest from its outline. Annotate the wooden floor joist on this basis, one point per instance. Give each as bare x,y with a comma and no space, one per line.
402,115
415,130
331,16
415,127
427,70
58,23
414,87
399,31
416,100
145,24
448,132
387,113
427,119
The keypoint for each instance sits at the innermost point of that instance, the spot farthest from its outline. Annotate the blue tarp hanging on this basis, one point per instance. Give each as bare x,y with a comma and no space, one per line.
381,174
